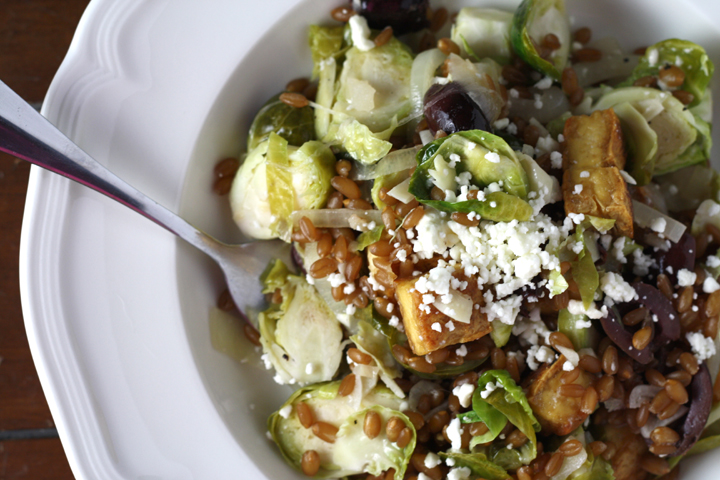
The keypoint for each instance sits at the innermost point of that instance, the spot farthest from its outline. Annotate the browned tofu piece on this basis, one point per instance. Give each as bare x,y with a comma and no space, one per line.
604,194
418,323
630,447
594,141
557,414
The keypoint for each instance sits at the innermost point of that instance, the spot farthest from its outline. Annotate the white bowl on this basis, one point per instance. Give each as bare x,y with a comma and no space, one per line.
116,309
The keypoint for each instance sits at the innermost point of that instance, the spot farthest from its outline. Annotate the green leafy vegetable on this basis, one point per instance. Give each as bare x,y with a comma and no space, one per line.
325,42
483,33
352,453
373,343
301,331
359,141
296,125
277,179
689,56
503,397
533,20
500,333
580,337
368,238
478,465
486,159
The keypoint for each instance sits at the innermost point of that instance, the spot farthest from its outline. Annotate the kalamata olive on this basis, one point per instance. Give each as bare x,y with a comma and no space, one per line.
615,330
403,16
668,320
449,108
697,416
297,260
680,255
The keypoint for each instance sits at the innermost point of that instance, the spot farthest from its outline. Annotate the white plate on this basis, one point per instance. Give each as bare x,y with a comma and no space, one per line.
116,308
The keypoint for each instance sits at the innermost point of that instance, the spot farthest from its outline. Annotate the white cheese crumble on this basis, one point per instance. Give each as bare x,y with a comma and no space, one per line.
422,476
436,326
454,433
578,189
539,354
490,387
464,393
658,225
712,261
461,351
360,33
462,473
585,174
710,285
285,411
309,368
544,84
576,307
613,285
556,160
703,347
431,460
492,157
686,277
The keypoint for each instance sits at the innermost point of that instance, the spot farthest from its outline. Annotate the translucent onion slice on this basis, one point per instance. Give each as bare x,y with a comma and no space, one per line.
654,422
549,105
393,162
422,76
644,216
339,218
641,394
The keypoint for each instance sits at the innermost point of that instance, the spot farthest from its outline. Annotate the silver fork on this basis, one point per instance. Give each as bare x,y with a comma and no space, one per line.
27,135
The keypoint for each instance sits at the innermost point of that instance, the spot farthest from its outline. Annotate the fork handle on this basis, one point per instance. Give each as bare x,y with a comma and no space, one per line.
27,135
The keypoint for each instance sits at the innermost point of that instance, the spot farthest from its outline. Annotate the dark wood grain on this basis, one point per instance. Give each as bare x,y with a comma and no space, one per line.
34,38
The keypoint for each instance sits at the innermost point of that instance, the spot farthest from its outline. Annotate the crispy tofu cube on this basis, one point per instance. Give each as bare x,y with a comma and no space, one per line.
603,194
418,323
557,414
630,448
594,141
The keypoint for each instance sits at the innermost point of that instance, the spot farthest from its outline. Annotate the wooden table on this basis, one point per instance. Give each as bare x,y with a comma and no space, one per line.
34,37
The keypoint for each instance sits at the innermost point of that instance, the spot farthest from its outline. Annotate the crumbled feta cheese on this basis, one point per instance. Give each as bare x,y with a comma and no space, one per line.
585,174
686,277
501,124
431,460
539,354
285,411
710,285
461,473
703,347
464,393
658,225
712,261
581,324
576,307
556,160
613,285
461,351
578,189
436,326
490,387
492,157
568,366
454,432
360,33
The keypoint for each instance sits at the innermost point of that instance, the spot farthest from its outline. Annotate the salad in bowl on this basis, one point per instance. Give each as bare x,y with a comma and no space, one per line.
505,237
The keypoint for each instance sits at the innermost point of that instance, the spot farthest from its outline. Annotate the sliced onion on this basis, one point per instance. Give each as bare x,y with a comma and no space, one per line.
642,394
653,422
422,76
644,217
339,218
570,355
393,162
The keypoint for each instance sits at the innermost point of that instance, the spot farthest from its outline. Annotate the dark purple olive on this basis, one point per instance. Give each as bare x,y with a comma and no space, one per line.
668,324
404,16
680,255
449,108
615,330
297,259
698,412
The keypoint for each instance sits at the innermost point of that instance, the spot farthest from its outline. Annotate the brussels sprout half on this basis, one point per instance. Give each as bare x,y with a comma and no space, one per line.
533,20
352,452
483,33
488,159
274,180
683,139
296,125
301,338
